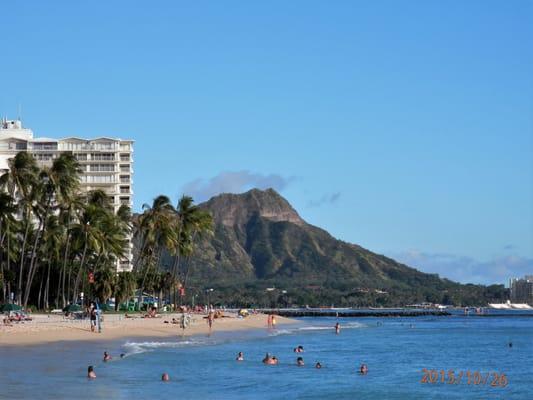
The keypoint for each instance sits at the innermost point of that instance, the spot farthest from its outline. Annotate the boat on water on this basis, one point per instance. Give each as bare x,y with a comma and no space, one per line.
510,306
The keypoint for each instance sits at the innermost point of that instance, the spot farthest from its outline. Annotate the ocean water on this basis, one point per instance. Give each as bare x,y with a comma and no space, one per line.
396,351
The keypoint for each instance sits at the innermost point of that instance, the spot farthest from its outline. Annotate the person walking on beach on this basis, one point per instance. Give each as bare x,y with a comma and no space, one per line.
269,321
210,319
273,322
93,319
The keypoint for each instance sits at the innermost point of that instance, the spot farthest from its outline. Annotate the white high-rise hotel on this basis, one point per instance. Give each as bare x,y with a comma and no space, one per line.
106,162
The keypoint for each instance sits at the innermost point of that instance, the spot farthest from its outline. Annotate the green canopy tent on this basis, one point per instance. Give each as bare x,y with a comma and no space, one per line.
72,308
106,307
10,307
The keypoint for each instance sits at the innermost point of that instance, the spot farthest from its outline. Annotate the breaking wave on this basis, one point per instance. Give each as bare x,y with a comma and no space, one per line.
143,347
312,328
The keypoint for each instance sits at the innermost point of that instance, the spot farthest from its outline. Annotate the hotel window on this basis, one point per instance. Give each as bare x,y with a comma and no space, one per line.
44,146
125,189
124,179
102,156
124,157
124,168
102,168
125,201
98,178
80,156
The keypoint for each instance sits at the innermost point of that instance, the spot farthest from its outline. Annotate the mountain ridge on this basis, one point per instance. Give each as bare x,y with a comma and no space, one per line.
261,241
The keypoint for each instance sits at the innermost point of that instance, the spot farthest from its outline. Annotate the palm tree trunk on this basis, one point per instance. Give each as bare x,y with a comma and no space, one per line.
47,287
78,275
8,259
22,258
2,263
64,271
39,295
32,268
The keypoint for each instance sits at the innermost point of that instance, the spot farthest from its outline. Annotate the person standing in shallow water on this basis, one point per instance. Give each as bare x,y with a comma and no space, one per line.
210,319
337,328
240,356
90,372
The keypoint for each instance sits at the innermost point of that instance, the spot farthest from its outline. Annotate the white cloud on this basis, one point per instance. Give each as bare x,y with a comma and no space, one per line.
233,182
465,269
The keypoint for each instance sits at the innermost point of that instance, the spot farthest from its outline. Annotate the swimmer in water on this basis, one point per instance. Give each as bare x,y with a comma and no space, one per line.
270,360
90,372
300,362
363,369
122,355
107,357
337,328
240,356
318,365
510,344
299,349
165,377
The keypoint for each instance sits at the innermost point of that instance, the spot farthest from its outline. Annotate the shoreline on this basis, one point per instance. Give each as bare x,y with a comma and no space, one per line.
46,328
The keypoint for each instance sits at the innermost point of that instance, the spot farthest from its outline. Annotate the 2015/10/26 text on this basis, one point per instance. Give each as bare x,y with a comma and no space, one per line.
451,377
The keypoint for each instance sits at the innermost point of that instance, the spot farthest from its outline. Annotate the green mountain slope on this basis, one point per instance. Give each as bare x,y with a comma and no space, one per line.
260,241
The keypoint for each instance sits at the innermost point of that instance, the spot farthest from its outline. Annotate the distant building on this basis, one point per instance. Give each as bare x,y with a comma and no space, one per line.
106,163
522,289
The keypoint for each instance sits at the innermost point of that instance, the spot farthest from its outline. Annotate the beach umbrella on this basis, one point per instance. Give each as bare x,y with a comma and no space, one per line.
72,308
10,307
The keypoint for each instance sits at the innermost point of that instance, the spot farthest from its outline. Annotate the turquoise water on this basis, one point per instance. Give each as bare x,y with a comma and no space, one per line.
395,350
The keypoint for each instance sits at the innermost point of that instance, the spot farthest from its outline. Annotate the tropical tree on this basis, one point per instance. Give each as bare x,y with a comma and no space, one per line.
124,287
7,210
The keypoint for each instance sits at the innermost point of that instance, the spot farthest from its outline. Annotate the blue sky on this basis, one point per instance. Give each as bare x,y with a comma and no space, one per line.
403,126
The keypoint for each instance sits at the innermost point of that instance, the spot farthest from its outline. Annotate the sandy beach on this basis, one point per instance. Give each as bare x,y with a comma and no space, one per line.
45,328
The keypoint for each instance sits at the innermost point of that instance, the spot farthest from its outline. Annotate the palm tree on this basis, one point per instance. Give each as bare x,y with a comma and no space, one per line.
7,210
88,237
194,223
52,243
22,184
104,283
155,231
124,287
